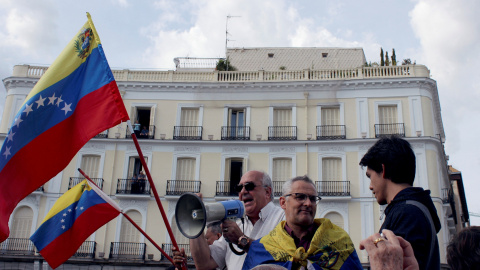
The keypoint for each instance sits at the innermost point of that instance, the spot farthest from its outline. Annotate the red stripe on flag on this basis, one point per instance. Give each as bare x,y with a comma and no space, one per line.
64,246
49,153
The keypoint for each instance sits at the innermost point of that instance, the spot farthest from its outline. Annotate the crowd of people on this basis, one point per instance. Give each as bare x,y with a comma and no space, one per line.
290,237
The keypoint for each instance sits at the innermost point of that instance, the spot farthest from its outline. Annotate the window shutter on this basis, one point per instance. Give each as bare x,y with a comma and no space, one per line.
128,232
22,223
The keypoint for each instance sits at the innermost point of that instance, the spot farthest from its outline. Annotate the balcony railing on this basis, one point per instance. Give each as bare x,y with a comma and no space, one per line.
232,133
179,187
277,188
333,188
223,189
17,246
132,186
75,180
446,192
124,250
278,133
40,189
86,250
103,134
331,132
187,132
389,129
168,249
149,134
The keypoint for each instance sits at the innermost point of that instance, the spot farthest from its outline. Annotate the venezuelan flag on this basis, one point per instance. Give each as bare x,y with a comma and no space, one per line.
75,216
76,99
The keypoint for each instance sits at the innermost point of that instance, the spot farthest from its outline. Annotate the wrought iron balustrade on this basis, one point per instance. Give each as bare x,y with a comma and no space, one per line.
234,133
103,134
133,186
150,134
40,189
125,250
281,133
223,189
333,188
446,194
331,132
86,250
168,249
17,246
389,129
187,132
179,187
277,188
75,180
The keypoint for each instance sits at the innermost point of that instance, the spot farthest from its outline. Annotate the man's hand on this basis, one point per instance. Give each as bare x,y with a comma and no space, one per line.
231,231
179,258
389,252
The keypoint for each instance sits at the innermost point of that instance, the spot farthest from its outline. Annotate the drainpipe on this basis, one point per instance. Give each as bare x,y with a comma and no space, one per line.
306,94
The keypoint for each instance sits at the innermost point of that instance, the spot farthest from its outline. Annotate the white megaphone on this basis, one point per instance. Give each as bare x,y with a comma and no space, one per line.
192,215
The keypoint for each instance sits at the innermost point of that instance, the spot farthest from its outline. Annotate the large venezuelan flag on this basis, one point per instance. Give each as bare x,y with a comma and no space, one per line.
76,99
75,216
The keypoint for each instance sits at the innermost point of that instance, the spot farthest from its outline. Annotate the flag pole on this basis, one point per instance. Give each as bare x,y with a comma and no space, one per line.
133,222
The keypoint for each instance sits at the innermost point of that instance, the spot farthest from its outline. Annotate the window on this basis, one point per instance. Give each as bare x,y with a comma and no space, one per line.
282,127
22,223
129,233
179,237
387,114
143,121
335,218
389,119
233,173
90,165
135,166
188,127
330,120
332,169
282,117
185,169
282,169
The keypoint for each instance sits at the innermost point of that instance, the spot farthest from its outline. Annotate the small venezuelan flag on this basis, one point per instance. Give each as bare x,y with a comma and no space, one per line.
76,99
75,216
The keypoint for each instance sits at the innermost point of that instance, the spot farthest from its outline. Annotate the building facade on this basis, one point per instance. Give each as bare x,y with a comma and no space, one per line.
286,111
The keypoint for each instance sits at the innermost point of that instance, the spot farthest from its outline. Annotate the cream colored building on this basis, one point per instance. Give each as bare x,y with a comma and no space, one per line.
287,111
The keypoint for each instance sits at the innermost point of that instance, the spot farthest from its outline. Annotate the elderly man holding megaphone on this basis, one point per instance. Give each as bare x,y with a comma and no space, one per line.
261,216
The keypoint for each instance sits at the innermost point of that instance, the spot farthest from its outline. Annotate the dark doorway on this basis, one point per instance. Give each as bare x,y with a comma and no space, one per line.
236,169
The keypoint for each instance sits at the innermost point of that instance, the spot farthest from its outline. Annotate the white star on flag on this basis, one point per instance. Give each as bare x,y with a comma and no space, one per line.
69,210
17,121
64,214
10,136
40,101
63,227
7,152
52,99
59,101
28,109
63,220
67,108
81,208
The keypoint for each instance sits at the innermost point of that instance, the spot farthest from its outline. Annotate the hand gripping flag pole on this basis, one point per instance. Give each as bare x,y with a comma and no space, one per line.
133,223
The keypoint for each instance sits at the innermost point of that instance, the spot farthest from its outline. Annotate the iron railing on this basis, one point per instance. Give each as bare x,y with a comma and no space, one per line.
17,246
446,192
389,129
40,189
75,180
333,188
168,249
331,132
124,250
179,187
187,132
133,186
279,133
277,188
86,250
223,189
103,134
233,133
149,134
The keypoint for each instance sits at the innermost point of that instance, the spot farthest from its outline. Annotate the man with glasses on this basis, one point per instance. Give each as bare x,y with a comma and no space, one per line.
301,240
255,190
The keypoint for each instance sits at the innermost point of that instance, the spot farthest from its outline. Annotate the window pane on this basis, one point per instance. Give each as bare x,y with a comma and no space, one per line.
189,117
90,165
22,223
282,169
282,117
387,114
128,232
330,116
331,169
185,169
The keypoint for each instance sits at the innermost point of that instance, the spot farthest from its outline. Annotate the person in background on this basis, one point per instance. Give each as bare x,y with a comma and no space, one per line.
141,179
214,232
463,251
136,128
144,132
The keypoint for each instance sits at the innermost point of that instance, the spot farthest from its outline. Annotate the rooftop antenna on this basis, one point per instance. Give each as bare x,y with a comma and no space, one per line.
226,39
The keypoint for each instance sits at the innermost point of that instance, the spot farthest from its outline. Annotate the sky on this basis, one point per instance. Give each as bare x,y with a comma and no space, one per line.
444,35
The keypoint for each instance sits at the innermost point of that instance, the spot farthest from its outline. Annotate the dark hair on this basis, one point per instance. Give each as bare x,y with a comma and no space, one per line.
463,252
396,155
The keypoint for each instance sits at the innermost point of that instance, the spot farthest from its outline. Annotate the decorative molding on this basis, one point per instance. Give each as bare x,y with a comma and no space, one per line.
333,206
33,199
94,146
236,149
331,149
132,147
364,147
187,149
282,149
140,205
418,146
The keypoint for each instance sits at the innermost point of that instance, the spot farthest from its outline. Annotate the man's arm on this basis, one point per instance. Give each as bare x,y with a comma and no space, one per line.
201,254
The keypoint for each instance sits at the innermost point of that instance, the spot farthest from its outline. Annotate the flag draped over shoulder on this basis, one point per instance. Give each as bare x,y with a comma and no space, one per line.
76,99
330,248
75,216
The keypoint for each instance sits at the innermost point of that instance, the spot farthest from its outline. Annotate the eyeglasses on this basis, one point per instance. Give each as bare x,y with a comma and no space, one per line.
301,197
249,186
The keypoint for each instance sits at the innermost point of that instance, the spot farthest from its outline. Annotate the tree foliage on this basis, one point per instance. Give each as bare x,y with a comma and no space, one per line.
224,65
382,61
394,58
407,61
387,60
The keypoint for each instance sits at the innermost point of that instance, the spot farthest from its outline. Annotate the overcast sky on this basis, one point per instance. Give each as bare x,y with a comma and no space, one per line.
444,35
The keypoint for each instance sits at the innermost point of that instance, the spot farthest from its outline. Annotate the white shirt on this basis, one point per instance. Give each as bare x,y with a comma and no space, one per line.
270,216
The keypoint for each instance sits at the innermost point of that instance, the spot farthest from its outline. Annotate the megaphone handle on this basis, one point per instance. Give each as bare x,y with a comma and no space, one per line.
239,253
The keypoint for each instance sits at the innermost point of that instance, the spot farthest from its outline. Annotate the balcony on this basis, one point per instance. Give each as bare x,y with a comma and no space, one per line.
382,130
17,246
333,188
232,133
223,189
127,251
76,180
131,186
150,134
168,249
277,188
103,134
446,193
187,133
279,133
86,250
179,187
40,189
331,132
